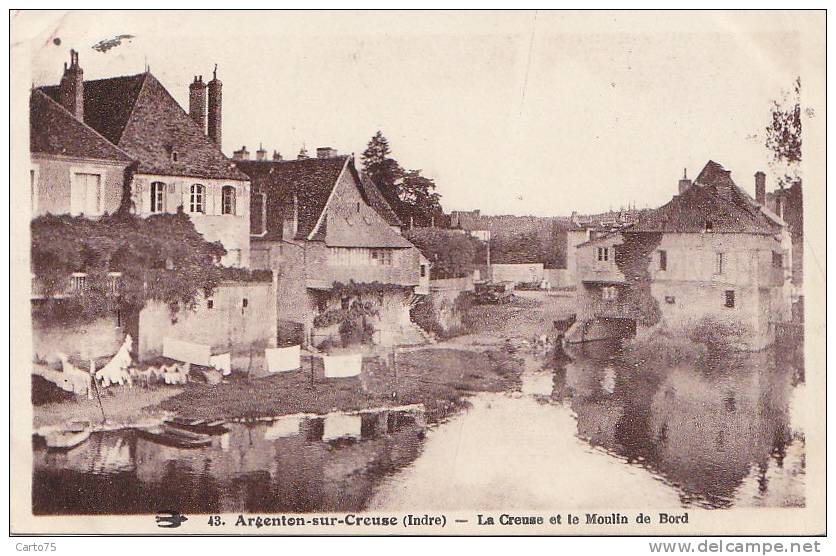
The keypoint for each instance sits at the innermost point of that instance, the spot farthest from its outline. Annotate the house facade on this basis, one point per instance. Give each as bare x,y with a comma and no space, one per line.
74,169
711,252
124,144
178,158
316,227
788,204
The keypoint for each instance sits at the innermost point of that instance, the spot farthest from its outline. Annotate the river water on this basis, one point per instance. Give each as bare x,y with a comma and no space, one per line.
589,433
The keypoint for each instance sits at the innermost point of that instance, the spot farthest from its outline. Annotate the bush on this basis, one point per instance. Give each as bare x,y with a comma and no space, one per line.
717,333
354,326
452,254
663,349
162,257
426,314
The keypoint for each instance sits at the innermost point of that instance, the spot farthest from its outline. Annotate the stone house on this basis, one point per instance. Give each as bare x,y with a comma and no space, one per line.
332,241
124,143
177,163
712,251
238,318
788,204
74,169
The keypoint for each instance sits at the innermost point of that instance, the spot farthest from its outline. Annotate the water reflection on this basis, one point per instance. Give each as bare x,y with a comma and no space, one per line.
291,464
711,429
588,431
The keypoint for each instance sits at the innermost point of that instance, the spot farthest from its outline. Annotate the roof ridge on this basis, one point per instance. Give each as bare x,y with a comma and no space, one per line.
133,107
295,160
132,76
328,201
87,126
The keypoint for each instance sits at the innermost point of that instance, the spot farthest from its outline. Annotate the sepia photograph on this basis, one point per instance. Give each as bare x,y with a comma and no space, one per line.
417,273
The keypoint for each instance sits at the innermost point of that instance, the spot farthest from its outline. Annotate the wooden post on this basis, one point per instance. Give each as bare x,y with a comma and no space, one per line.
96,386
395,369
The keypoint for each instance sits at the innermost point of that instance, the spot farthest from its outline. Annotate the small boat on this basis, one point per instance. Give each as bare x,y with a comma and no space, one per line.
200,426
68,438
178,438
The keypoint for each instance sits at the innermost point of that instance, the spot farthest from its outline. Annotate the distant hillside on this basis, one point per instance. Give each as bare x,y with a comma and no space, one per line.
527,239
520,239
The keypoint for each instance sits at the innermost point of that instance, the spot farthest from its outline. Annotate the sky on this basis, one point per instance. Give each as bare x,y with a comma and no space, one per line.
509,112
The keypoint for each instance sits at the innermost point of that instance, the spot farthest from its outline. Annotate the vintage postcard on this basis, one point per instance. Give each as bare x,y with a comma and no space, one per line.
411,273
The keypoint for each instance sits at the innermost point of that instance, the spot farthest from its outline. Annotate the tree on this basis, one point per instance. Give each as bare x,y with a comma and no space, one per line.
419,199
161,258
516,248
411,195
383,170
783,135
452,254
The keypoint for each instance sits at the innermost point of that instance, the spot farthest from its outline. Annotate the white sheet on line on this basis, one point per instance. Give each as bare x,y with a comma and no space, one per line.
283,359
337,366
222,362
189,352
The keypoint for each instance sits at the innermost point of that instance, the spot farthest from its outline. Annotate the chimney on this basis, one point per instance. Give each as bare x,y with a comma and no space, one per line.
71,89
197,102
261,154
214,117
326,152
760,187
684,183
241,154
277,155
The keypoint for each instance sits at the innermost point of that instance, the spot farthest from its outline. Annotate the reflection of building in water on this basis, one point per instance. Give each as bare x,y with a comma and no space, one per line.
708,430
289,464
712,429
712,433
780,483
102,453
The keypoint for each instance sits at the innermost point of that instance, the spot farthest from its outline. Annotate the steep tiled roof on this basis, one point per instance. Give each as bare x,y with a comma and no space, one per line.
377,201
108,103
312,180
714,201
53,130
140,116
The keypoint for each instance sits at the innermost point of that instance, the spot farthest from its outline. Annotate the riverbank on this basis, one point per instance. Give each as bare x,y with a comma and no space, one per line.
438,378
123,407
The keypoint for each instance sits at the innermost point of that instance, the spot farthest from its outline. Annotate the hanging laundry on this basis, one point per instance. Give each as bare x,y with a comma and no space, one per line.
175,374
116,370
74,379
188,352
222,362
338,366
283,359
